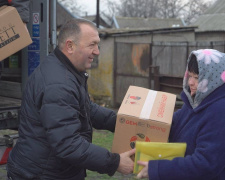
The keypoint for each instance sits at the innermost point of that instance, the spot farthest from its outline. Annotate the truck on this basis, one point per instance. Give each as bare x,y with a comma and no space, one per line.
15,70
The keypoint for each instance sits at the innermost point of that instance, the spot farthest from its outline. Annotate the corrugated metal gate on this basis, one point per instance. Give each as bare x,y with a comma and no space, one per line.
130,68
134,60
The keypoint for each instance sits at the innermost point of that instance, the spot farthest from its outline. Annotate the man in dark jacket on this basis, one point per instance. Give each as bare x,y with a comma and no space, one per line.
57,115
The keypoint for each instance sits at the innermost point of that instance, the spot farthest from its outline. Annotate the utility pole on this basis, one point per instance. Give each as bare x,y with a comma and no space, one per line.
97,13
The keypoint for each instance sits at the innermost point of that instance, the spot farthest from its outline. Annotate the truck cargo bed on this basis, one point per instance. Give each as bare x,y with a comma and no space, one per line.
6,102
9,113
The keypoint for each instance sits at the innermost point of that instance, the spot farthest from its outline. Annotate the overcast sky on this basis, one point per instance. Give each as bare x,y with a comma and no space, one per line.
90,5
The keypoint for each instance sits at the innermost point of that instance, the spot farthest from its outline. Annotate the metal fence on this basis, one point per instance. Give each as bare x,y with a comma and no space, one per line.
135,64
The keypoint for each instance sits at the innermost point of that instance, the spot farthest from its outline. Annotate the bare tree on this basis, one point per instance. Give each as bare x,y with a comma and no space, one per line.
140,8
189,10
111,10
73,6
170,8
195,9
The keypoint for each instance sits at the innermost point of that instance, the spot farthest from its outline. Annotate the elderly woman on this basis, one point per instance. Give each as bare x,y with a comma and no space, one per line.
200,123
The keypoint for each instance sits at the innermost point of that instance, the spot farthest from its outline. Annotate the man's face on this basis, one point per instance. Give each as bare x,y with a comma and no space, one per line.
86,49
193,82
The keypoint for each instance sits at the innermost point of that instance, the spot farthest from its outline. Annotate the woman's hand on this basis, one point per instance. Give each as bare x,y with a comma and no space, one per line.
144,172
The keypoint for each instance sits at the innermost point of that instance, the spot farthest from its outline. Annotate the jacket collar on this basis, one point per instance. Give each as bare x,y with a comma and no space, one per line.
81,76
214,97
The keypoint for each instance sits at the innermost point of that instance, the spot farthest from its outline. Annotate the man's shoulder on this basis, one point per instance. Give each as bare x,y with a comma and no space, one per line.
52,71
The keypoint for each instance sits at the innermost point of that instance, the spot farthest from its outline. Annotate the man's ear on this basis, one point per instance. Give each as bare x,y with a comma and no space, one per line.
69,46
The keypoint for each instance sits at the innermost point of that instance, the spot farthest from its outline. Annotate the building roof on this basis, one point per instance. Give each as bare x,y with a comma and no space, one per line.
63,15
217,8
137,22
104,33
210,22
213,19
92,18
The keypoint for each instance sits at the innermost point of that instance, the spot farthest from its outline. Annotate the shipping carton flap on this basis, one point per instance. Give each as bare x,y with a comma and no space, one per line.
13,34
6,9
148,104
133,101
1,8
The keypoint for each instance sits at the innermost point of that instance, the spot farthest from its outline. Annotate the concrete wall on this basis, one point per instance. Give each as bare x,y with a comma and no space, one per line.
187,36
100,82
210,36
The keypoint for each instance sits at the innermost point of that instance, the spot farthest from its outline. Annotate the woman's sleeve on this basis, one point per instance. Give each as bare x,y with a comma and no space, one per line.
208,160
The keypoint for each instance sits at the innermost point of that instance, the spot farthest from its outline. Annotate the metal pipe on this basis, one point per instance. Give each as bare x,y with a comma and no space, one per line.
53,29
97,14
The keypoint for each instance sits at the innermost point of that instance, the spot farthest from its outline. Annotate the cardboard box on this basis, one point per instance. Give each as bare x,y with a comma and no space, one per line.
13,34
144,115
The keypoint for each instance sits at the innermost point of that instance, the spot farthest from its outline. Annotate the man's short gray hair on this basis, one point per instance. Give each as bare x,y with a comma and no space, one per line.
71,29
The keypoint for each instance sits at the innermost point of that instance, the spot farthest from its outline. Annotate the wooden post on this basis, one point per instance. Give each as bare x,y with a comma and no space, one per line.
156,78
154,75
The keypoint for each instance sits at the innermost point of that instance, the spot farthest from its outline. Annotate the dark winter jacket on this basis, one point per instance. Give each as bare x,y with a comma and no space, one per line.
22,6
201,124
55,131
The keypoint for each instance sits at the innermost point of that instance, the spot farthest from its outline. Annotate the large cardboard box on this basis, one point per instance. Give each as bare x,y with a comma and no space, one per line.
13,33
144,115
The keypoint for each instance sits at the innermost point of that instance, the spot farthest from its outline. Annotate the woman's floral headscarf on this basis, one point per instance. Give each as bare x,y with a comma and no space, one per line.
211,65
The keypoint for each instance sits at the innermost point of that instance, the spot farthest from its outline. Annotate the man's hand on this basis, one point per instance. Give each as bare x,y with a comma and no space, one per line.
144,172
126,165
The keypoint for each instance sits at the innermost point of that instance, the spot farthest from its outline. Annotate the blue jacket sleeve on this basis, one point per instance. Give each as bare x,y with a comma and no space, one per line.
208,158
175,121
103,118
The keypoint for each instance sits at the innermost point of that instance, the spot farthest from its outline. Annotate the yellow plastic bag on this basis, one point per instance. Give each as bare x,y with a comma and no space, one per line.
146,151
